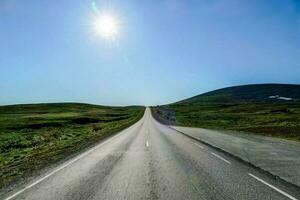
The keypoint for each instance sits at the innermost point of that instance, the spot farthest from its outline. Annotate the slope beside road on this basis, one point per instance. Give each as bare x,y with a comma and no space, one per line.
277,156
151,161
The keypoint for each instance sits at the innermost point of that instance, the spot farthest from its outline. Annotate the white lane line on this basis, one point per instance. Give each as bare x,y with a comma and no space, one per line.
199,145
147,144
220,158
62,167
273,187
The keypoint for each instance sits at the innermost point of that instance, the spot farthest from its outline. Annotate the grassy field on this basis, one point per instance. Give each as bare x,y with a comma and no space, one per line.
246,108
34,136
278,119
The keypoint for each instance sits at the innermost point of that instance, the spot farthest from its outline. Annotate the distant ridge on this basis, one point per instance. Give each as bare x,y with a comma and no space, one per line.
249,93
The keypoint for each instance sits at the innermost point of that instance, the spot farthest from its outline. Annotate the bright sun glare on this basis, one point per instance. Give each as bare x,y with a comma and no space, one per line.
107,26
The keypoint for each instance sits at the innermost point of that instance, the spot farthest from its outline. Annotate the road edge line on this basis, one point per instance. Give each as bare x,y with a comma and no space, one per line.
67,163
273,187
220,157
235,157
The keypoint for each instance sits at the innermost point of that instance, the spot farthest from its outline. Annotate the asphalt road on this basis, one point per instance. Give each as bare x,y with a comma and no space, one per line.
151,161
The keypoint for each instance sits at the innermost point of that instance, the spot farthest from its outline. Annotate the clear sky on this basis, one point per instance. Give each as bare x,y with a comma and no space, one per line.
165,50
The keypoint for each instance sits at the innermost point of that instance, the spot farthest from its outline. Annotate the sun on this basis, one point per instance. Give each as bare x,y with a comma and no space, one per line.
107,26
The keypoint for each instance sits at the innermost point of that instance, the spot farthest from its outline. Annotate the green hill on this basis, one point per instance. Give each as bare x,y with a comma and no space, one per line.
249,93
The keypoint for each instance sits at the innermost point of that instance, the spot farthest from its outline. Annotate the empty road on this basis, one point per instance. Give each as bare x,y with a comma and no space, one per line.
151,161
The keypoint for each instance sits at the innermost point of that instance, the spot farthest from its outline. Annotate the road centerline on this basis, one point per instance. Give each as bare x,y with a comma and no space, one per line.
273,187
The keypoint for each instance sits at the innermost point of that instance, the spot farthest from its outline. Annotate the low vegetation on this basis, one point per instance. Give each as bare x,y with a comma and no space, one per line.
34,136
244,108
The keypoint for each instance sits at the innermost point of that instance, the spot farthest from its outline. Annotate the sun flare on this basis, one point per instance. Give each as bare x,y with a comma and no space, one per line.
107,26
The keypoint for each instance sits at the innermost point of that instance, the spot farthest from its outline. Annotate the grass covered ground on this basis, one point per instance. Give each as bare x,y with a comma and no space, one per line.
257,108
34,136
277,119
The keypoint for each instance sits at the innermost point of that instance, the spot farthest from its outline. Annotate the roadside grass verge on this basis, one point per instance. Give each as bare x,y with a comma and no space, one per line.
35,135
270,119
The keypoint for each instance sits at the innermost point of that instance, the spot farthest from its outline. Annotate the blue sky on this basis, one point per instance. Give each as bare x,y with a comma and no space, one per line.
166,50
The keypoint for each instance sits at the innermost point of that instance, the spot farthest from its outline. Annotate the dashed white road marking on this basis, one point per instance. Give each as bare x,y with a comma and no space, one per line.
62,167
221,158
199,145
147,144
273,187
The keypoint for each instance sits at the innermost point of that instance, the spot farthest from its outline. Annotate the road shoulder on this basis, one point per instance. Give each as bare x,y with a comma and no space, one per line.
277,157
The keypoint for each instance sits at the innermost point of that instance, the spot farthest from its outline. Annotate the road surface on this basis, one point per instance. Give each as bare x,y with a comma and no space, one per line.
151,161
